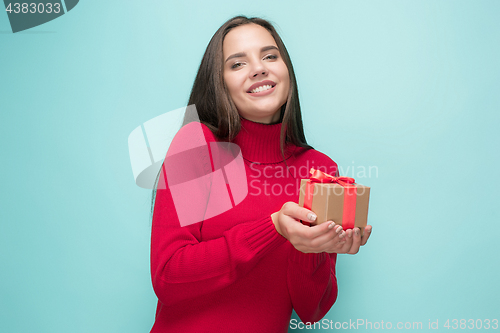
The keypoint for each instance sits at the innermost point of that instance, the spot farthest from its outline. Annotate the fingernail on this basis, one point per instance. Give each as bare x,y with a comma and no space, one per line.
311,217
339,230
349,234
331,225
357,232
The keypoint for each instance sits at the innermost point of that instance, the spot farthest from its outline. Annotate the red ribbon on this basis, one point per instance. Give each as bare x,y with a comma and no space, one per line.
350,194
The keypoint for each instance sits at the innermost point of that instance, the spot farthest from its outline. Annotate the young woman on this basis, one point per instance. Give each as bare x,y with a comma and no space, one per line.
245,269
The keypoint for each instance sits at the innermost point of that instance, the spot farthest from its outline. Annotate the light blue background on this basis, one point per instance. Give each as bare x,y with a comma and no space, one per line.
408,87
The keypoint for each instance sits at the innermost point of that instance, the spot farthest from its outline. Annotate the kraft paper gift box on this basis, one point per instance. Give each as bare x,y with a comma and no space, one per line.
337,199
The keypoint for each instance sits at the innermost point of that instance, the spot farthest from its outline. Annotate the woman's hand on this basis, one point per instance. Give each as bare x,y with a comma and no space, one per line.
354,240
326,237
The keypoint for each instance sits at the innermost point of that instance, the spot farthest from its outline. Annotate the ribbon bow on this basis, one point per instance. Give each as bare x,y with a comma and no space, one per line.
350,194
318,176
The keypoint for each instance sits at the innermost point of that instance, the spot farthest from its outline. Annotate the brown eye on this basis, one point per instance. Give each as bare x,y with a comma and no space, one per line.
236,65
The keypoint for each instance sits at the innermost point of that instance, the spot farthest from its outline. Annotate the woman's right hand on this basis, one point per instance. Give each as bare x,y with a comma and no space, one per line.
325,237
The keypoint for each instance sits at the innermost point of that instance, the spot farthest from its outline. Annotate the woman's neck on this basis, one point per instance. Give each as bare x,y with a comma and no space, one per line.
269,120
260,142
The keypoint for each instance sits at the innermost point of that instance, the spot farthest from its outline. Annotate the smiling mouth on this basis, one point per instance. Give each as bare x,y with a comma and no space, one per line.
261,88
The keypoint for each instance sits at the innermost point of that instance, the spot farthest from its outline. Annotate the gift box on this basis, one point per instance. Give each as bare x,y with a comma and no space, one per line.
337,199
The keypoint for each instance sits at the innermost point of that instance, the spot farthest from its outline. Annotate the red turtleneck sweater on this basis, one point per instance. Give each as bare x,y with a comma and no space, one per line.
234,272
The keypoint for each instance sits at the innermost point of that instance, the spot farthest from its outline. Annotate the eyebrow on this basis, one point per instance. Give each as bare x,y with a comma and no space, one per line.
242,54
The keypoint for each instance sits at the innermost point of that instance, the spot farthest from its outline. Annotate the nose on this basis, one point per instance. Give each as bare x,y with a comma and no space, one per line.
259,68
263,72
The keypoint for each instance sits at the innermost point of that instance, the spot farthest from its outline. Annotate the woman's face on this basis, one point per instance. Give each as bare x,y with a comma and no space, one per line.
255,74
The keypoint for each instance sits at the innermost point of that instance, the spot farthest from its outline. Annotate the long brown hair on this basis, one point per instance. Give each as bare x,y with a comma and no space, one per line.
212,99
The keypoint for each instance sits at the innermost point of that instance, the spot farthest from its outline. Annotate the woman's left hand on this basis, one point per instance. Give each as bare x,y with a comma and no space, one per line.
353,240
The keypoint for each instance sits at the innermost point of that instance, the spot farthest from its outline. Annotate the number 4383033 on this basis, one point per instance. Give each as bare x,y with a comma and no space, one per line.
33,8
471,324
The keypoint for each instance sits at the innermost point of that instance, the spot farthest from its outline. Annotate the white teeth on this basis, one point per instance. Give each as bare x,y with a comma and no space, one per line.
261,88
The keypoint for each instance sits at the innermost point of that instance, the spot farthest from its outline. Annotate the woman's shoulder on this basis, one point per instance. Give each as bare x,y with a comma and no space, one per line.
188,156
191,136
316,159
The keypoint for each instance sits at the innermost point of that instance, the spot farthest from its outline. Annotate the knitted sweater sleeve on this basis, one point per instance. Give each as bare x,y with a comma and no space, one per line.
183,267
311,277
312,283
